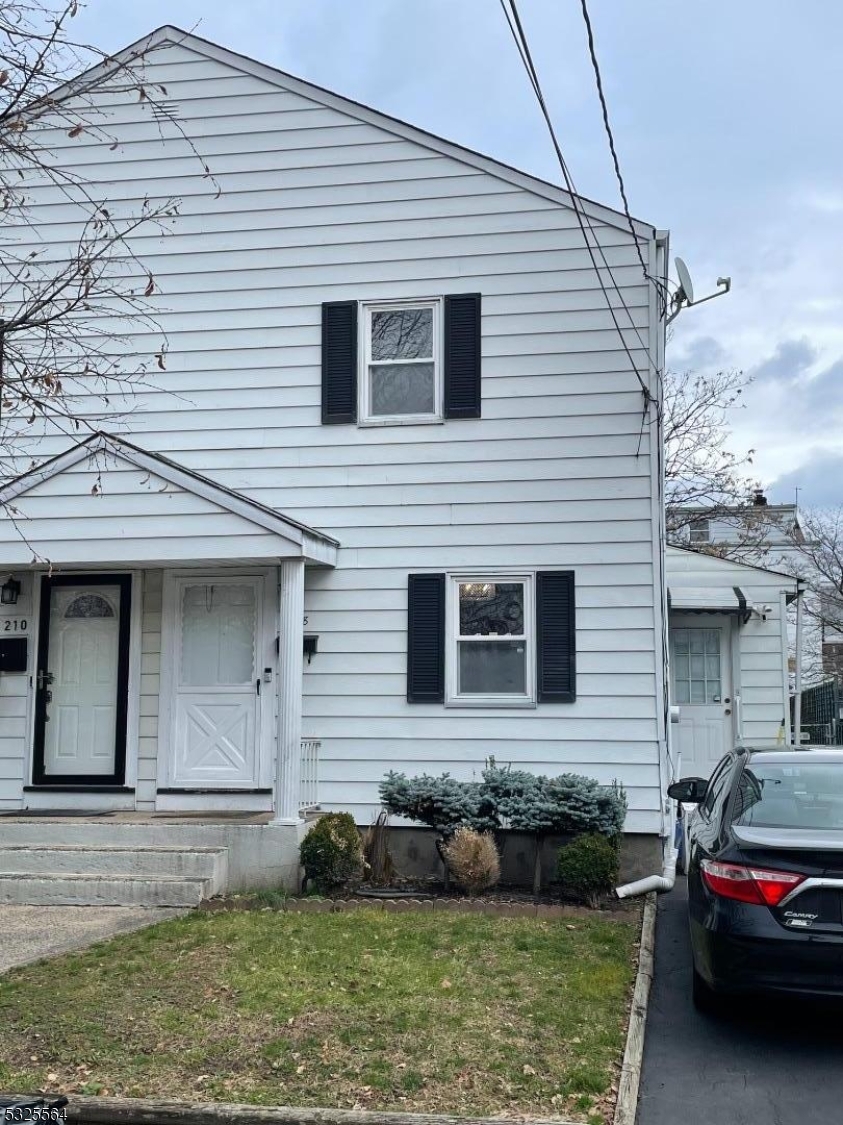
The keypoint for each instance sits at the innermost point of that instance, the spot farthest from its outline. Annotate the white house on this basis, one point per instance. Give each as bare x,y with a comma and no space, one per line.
728,657
398,431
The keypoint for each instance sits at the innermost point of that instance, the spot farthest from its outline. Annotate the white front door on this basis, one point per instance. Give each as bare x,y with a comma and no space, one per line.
701,682
217,682
80,725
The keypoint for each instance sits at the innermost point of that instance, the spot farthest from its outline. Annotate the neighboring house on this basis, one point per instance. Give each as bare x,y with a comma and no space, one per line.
728,656
769,533
397,432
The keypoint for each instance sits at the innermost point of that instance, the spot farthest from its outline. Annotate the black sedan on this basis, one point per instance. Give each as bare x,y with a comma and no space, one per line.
765,873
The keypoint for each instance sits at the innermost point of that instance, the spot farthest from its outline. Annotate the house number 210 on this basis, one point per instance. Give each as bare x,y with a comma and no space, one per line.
15,625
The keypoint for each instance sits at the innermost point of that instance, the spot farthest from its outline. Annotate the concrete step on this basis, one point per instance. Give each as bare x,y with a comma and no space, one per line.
199,862
84,889
97,831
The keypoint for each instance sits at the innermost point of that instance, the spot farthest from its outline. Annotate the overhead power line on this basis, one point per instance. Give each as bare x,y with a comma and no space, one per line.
599,80
591,240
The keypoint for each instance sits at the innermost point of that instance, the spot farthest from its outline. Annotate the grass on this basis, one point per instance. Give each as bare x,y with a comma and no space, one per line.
461,1014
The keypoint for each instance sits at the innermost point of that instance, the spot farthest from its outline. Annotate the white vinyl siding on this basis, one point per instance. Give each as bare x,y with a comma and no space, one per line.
557,474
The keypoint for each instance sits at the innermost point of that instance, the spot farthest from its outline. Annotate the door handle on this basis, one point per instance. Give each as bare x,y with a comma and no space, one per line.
44,678
258,686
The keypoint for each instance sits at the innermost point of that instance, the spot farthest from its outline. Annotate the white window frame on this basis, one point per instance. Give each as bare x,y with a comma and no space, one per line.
365,416
452,620
699,530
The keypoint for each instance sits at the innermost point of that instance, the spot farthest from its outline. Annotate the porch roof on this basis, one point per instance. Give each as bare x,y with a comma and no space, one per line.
107,501
716,599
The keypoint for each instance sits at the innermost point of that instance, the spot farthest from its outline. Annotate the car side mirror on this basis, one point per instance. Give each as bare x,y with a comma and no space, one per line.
690,790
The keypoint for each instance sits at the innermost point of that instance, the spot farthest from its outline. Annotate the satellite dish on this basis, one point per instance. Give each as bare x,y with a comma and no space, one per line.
685,284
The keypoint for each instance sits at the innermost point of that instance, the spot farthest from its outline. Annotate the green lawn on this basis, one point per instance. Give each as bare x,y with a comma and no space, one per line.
461,1014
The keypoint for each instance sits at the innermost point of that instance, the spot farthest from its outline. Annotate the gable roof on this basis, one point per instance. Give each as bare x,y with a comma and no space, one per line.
716,561
315,545
170,35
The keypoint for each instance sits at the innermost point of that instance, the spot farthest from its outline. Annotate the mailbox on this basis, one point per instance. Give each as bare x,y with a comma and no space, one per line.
14,654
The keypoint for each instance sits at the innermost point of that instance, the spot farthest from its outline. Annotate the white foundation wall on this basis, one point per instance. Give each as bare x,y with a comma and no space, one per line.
560,472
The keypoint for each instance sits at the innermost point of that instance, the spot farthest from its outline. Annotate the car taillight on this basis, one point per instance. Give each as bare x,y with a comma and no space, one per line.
757,885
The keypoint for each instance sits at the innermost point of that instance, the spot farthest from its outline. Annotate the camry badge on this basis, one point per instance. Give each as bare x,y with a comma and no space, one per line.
799,921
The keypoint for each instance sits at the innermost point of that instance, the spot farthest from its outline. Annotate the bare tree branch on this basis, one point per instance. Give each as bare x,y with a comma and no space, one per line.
70,303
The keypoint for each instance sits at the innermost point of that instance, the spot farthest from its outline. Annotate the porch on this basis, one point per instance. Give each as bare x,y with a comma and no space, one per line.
151,660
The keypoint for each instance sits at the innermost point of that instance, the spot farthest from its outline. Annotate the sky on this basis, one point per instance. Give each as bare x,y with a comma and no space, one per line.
727,120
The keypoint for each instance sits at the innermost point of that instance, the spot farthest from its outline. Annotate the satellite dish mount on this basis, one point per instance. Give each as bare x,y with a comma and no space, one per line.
683,297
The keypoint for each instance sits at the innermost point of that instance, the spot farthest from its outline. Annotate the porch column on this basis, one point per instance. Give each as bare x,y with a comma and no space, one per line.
291,643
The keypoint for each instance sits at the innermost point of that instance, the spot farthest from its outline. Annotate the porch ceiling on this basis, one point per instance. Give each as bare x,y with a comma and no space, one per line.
106,501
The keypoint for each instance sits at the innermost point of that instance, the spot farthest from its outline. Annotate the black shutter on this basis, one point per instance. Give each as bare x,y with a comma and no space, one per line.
462,356
556,638
339,362
426,638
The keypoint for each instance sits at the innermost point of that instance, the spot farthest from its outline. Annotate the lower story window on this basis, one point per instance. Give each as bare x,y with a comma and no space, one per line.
492,645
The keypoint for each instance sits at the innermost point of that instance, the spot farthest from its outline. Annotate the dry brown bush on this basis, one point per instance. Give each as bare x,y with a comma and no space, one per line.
473,860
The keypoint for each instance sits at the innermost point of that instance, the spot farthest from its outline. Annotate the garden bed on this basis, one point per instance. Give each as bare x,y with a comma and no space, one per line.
425,1011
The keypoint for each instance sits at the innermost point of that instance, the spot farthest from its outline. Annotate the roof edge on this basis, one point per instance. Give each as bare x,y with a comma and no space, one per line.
170,34
729,562
182,477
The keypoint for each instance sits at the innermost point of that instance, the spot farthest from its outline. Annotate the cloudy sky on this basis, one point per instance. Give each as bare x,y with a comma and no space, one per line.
727,118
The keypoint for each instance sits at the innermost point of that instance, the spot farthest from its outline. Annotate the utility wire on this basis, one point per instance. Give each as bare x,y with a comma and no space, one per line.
599,80
516,29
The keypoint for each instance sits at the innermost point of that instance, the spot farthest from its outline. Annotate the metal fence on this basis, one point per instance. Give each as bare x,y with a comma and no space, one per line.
822,714
309,792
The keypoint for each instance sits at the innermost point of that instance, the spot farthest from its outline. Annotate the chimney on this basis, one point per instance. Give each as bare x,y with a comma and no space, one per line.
759,500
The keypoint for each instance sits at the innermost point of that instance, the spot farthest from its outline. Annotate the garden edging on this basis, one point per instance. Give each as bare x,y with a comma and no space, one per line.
401,905
626,1107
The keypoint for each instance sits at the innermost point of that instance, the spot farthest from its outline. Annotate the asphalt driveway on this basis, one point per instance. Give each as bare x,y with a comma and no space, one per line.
772,1062
28,933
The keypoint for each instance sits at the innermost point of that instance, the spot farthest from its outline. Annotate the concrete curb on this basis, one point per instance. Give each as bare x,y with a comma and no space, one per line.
626,1107
142,1111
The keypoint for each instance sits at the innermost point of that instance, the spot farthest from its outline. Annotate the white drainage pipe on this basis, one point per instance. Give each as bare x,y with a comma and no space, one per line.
658,883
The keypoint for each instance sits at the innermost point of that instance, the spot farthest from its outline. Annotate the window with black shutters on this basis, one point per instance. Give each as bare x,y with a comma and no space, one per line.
400,362
492,639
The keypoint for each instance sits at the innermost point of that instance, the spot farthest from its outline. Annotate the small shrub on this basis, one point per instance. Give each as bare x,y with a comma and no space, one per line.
473,860
588,866
380,869
332,852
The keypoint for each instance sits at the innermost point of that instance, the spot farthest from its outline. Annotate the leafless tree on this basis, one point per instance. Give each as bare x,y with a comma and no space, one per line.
818,561
72,287
704,479
702,475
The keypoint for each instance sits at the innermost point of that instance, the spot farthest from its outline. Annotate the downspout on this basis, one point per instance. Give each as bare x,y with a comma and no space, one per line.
658,883
797,682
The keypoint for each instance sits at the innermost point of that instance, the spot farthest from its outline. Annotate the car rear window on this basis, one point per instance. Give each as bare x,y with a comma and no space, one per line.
803,795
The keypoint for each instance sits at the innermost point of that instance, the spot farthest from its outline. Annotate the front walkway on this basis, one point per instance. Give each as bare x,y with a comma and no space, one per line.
33,932
772,1061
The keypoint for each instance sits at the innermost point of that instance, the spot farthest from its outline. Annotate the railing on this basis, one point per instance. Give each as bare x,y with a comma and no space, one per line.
309,791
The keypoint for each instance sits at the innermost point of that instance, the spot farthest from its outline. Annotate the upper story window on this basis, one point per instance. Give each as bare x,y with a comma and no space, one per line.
401,361
401,372
699,531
